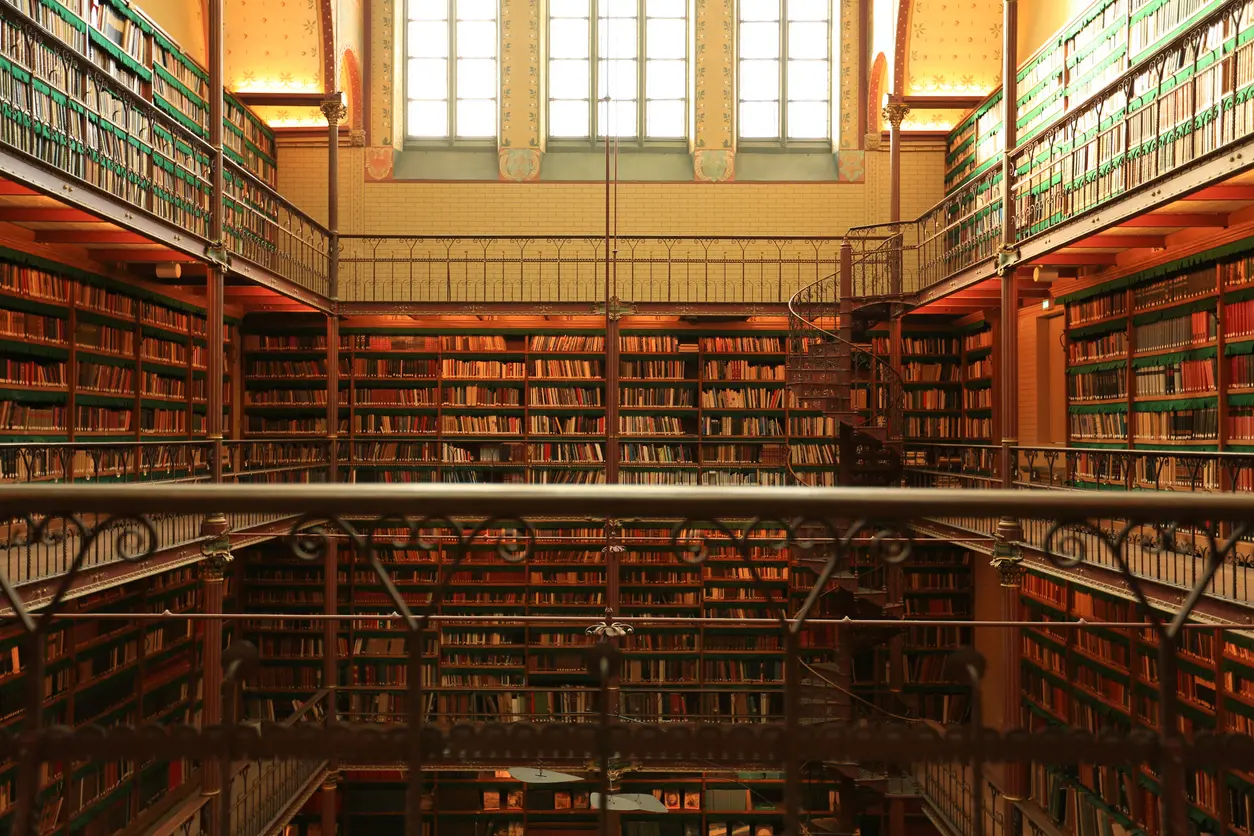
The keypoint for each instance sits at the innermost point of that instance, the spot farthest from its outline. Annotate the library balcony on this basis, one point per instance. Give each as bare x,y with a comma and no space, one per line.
1133,129
417,673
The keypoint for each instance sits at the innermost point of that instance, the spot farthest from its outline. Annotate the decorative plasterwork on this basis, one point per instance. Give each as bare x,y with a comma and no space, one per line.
712,68
850,71
521,102
273,46
954,48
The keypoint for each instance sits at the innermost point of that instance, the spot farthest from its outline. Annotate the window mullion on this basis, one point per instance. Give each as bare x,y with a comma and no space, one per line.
783,72
642,59
594,70
452,70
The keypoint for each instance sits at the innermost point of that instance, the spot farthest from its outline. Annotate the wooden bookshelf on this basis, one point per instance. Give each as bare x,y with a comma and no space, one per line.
1108,38
1161,362
107,672
520,403
86,358
1106,678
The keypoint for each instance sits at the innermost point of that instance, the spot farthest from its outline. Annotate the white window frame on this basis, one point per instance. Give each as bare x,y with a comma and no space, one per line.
451,98
781,139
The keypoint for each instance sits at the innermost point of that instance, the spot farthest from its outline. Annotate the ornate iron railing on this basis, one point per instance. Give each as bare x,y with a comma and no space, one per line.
1190,101
832,524
491,269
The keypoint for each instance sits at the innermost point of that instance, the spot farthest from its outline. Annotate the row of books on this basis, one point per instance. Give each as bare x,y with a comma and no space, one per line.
1104,426
1177,378
1105,347
1100,307
1181,425
1175,289
1092,386
1178,332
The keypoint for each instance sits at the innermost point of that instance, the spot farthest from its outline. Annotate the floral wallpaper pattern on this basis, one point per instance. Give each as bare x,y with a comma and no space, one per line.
849,52
955,47
383,88
272,46
520,74
712,68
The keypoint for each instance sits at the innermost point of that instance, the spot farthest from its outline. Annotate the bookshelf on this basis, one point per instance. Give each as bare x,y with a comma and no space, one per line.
107,672
87,358
1160,361
521,401
1108,38
1106,678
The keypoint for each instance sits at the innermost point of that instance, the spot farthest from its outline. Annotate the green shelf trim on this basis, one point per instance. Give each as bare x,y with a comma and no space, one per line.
979,384
1239,349
1241,399
24,396
980,413
1101,67
121,55
179,116
1175,357
170,78
177,51
1097,408
1097,329
1176,311
1182,451
1176,406
1239,295
65,14
1109,366
1171,268
87,399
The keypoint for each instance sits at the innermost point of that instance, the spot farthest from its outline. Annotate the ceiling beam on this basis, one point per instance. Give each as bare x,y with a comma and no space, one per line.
1094,242
8,187
1074,259
83,236
16,214
282,99
147,256
1174,219
1222,193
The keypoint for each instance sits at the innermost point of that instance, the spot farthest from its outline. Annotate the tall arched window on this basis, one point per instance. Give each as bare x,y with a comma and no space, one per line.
452,69
633,64
785,70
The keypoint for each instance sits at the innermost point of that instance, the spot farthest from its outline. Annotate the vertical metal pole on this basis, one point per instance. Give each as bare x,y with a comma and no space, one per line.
895,112
844,367
333,396
330,675
217,556
1010,110
216,277
335,111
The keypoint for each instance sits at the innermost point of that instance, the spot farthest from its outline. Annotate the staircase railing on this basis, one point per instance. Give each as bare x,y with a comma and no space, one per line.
823,366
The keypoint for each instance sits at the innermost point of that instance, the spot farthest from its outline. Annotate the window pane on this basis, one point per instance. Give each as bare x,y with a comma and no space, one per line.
807,40
617,8
809,10
665,120
664,79
621,120
807,80
759,80
476,9
807,120
428,9
568,119
666,8
428,39
476,39
476,118
568,79
476,79
665,38
617,38
428,78
617,79
759,9
759,40
759,120
568,8
428,119
568,38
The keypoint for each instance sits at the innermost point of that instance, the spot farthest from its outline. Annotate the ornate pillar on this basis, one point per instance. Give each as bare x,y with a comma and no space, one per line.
895,112
217,556
329,783
713,142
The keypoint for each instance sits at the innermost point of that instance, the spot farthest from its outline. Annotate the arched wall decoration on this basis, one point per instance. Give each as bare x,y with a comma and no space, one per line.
905,11
875,94
350,83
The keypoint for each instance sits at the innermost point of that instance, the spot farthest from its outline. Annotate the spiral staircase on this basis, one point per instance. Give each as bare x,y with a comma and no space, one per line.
831,366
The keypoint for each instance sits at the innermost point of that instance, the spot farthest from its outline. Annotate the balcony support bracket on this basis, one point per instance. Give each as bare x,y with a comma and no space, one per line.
219,256
1007,258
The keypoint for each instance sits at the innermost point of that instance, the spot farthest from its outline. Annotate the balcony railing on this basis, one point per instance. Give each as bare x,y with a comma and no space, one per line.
71,116
841,523
1193,98
557,269
1186,559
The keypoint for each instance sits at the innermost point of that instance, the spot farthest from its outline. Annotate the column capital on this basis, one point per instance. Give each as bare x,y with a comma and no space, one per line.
217,549
334,109
895,112
1007,559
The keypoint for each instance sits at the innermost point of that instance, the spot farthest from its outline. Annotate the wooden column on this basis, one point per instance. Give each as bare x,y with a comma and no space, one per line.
895,113
335,111
215,279
330,676
217,553
844,366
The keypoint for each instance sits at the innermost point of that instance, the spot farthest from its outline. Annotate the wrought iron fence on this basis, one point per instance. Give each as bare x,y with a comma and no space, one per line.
829,525
553,269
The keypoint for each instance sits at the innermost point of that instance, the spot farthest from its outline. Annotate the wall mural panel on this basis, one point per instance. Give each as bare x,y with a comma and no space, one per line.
954,48
272,46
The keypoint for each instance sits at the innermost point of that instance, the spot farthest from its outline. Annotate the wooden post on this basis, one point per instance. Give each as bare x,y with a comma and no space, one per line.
335,111
217,553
